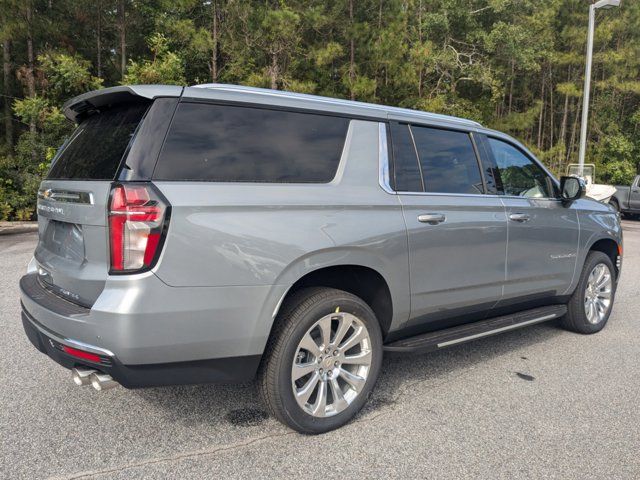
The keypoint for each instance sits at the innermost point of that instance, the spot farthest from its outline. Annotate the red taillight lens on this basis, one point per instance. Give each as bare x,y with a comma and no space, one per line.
81,354
136,222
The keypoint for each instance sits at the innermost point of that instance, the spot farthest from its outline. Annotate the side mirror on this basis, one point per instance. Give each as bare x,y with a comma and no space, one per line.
572,188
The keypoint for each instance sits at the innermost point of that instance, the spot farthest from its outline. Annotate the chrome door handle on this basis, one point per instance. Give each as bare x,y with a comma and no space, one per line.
432,218
519,217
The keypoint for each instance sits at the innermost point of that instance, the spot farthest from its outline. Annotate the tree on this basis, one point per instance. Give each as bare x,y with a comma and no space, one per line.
165,66
516,65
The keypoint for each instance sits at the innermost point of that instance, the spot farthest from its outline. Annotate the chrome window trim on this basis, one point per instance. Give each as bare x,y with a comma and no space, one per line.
383,159
482,195
383,173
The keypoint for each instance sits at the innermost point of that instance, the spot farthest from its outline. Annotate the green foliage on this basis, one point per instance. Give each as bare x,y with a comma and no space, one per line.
21,174
615,159
66,76
31,110
38,110
569,89
165,68
617,172
519,121
515,65
449,105
327,54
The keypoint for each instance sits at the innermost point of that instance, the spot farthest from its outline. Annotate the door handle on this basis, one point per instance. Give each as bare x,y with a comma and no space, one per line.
519,217
432,218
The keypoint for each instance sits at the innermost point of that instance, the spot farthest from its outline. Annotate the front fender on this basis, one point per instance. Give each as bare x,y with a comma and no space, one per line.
597,222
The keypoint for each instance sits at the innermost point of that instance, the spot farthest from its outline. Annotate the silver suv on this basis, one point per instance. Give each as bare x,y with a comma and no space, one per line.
218,233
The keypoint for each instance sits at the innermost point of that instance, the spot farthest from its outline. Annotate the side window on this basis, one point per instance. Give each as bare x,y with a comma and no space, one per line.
448,160
406,169
520,175
221,143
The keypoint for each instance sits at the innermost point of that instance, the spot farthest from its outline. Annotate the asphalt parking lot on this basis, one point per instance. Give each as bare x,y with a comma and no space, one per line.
533,403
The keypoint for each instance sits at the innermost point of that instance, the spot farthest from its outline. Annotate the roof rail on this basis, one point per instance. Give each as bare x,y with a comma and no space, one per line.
335,101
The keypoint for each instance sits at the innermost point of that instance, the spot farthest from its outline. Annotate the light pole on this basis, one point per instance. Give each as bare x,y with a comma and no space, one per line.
587,77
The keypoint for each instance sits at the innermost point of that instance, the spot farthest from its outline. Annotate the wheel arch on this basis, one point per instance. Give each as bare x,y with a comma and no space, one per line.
610,248
615,203
360,280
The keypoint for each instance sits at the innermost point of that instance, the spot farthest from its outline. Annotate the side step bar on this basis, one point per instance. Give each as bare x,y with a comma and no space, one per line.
427,342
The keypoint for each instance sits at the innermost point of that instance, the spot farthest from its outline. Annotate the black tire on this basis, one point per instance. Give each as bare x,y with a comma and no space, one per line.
298,315
614,203
576,318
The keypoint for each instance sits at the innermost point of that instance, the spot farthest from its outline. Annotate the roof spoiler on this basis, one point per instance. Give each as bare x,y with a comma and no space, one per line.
75,108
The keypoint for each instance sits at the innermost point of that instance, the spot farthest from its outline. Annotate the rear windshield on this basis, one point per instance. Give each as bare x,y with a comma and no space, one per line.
96,147
222,143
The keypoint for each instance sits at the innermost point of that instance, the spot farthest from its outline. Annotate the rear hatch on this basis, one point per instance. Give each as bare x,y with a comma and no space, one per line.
73,247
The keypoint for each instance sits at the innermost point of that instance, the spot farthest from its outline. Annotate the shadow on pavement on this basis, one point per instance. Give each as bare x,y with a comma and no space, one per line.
240,405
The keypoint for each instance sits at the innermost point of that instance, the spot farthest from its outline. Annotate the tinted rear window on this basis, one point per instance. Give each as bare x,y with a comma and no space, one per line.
96,147
222,143
449,163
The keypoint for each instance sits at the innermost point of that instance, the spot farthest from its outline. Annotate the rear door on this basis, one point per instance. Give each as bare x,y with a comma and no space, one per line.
73,250
457,233
543,232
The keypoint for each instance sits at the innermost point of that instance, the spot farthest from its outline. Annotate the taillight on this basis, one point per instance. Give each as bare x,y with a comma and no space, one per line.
137,217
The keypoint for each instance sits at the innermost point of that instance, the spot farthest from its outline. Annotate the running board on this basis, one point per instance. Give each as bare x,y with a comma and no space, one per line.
427,342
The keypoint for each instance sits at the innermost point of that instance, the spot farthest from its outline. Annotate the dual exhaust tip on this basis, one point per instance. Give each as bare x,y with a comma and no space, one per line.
98,380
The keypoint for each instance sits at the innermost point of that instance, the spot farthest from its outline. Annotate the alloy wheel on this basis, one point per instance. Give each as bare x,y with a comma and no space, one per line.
597,297
331,364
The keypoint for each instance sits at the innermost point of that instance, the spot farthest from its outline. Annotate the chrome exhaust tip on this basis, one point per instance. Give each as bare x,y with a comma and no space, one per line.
102,381
81,376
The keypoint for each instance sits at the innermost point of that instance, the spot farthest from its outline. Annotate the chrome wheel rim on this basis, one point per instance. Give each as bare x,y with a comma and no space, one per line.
331,364
597,296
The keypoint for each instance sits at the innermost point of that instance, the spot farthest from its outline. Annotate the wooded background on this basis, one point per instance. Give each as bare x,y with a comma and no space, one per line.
515,65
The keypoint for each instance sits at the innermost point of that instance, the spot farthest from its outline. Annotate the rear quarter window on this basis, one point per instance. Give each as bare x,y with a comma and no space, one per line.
222,143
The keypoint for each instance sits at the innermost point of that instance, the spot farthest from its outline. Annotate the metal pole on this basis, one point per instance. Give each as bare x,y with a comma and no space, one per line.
587,88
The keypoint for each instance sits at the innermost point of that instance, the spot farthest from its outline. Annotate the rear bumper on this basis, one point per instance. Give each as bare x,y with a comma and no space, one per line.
219,370
146,343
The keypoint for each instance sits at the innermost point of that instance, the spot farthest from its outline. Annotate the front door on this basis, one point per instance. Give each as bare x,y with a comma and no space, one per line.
457,234
543,231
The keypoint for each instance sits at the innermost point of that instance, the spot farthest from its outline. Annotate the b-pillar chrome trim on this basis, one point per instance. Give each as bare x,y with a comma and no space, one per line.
383,158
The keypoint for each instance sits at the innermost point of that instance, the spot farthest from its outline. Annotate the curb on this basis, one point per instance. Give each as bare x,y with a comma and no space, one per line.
12,228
